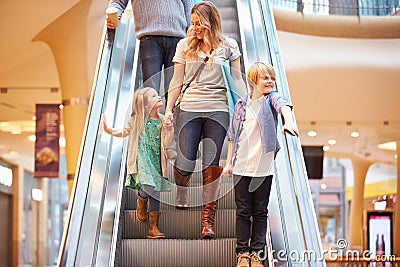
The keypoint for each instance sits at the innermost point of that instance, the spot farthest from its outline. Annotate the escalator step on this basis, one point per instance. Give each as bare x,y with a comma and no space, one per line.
181,224
178,253
226,200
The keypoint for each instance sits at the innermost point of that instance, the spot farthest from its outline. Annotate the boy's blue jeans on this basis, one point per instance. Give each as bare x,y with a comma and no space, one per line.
156,51
251,198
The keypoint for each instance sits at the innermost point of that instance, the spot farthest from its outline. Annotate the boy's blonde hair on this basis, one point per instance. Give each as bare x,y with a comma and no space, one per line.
257,70
210,19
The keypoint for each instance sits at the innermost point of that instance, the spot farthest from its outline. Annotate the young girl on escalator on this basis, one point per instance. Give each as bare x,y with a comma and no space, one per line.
150,141
252,148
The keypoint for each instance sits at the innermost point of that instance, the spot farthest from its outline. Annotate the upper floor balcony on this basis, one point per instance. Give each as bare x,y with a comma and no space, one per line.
367,19
341,7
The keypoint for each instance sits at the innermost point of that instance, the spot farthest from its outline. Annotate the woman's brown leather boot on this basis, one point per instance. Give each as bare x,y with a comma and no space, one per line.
211,175
182,187
141,209
154,232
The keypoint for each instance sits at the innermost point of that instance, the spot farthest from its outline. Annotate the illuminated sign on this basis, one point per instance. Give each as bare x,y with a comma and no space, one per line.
6,178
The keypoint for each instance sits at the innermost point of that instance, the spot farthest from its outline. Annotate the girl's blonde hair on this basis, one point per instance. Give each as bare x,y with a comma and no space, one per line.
211,20
257,70
139,110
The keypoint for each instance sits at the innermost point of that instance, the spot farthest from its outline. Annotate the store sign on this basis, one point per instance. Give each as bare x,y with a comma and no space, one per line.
46,145
6,178
380,235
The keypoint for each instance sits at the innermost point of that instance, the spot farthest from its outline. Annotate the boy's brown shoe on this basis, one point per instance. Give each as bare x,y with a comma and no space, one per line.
243,260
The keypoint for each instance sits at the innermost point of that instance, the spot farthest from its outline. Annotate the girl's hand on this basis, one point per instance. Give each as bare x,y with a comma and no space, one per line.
167,123
169,116
104,124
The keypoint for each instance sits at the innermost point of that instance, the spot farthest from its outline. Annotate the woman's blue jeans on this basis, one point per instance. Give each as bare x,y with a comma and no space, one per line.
194,127
251,198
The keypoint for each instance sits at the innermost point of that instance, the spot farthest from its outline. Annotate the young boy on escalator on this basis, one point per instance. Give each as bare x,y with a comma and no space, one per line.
252,148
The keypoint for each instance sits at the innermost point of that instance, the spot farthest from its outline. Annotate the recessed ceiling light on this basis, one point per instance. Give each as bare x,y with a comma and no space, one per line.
312,133
332,142
62,142
323,186
388,146
16,131
325,148
32,138
355,134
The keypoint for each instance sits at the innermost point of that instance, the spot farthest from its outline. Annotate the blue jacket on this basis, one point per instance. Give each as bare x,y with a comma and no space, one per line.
267,120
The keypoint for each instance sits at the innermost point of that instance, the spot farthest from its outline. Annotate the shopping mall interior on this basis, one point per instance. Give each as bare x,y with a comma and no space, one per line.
337,61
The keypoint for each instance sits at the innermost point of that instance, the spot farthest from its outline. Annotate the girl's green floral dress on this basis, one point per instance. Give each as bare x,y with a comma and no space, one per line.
149,159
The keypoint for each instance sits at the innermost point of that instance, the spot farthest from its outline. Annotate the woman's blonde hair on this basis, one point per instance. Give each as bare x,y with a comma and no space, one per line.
211,20
257,70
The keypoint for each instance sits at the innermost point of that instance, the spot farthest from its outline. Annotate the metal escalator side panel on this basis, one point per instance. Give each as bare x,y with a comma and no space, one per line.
110,225
82,231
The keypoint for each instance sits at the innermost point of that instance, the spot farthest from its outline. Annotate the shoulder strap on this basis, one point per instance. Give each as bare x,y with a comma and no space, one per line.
201,67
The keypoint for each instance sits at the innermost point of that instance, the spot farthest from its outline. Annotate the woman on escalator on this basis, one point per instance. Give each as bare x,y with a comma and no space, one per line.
252,147
203,112
150,141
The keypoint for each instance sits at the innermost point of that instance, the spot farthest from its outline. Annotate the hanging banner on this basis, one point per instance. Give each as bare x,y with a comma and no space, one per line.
46,145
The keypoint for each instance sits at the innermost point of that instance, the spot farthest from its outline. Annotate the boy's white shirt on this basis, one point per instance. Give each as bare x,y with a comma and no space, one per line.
250,160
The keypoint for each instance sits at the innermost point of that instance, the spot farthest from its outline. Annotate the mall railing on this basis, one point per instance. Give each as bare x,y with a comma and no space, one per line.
91,233
341,7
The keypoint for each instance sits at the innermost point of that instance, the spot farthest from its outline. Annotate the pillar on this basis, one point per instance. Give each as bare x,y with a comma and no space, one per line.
67,38
396,235
360,169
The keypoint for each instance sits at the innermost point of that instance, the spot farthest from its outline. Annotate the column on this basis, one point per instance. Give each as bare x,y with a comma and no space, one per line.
67,38
360,169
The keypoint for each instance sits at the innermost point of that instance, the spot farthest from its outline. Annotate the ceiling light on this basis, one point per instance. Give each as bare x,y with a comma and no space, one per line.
323,186
388,146
62,142
37,194
312,133
16,131
325,148
32,138
355,134
332,142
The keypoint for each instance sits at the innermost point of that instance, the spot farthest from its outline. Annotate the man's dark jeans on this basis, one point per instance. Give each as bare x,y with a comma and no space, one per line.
155,52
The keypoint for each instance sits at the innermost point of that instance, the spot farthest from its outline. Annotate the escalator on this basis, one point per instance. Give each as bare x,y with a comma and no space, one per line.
101,229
